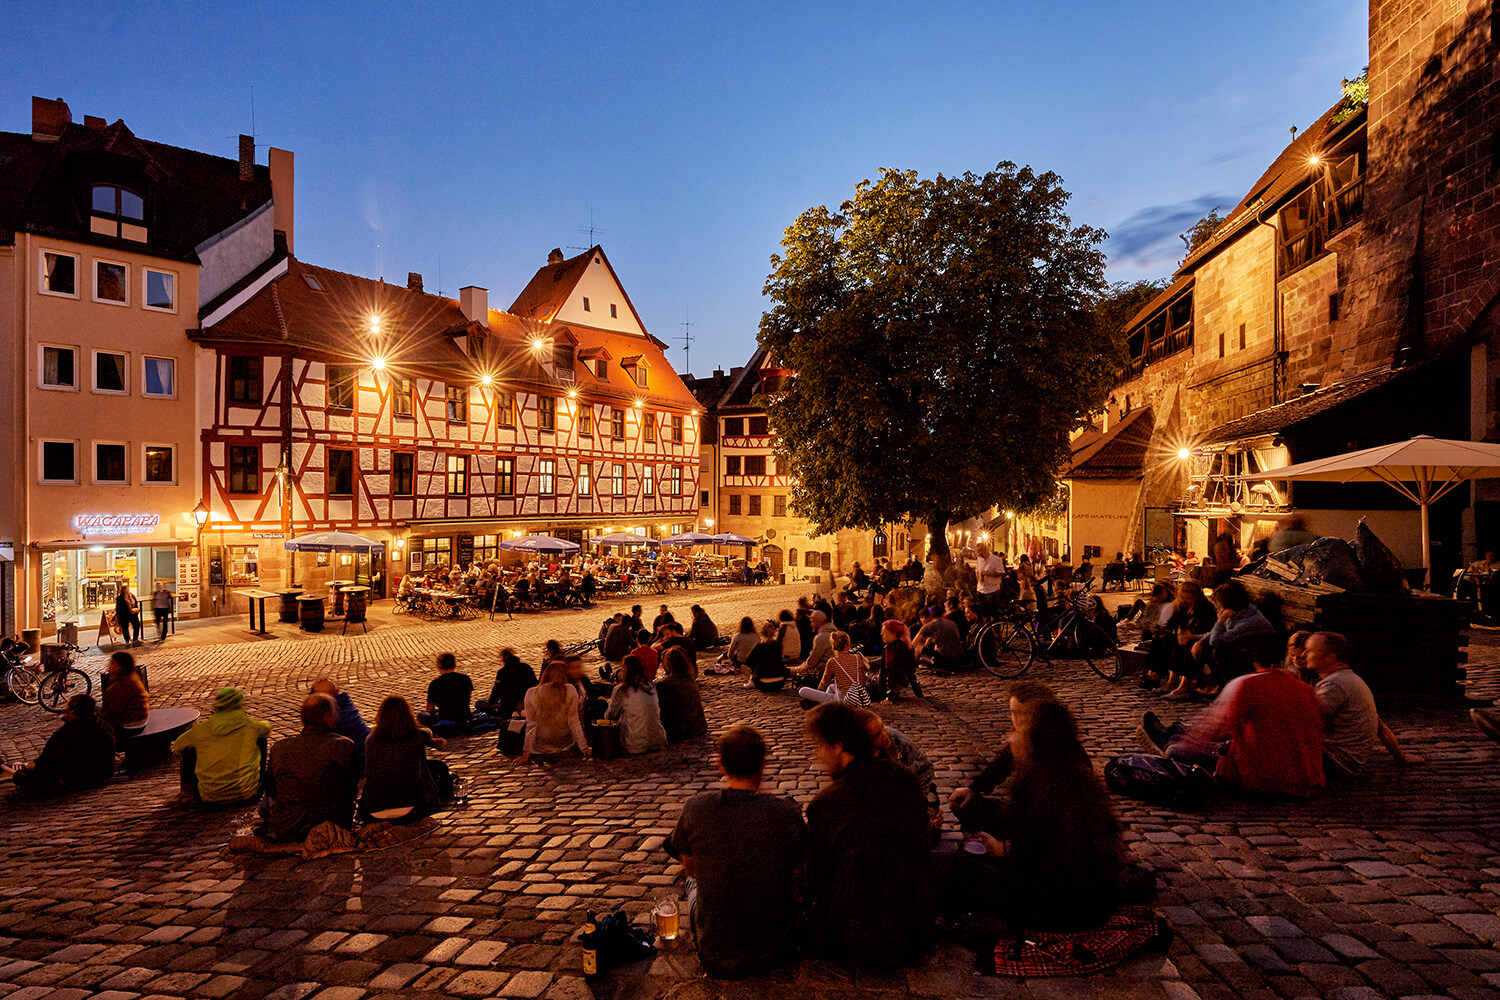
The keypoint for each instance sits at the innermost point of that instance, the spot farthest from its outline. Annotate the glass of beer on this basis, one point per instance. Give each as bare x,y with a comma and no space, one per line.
665,914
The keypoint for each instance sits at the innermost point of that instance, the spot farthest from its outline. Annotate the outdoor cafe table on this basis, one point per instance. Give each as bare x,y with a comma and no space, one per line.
261,596
455,601
336,588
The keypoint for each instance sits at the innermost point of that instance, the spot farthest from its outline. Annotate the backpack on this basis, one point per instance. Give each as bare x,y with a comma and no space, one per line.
1161,780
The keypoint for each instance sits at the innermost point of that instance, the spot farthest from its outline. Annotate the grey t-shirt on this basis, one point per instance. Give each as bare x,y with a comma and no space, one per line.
1351,725
943,636
747,849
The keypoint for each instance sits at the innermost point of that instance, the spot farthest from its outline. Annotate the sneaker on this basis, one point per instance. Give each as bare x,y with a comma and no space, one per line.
1151,736
1488,721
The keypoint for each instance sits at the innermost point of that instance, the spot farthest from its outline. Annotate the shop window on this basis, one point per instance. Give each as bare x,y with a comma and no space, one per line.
458,475
505,477
431,554
340,472
160,376
402,393
585,420
677,433
110,282
731,465
759,426
546,409
244,469
648,480
755,505
778,506
648,423
677,480
59,274
59,368
546,477
403,470
755,465
734,503
617,480
109,372
341,382
243,564
457,397
486,548
160,465
585,479
109,463
244,380
160,290
617,423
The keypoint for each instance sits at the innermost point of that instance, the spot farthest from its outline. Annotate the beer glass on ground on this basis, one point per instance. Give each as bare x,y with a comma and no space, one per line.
665,914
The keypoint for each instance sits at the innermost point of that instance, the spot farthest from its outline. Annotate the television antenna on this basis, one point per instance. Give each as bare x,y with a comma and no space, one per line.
590,230
687,342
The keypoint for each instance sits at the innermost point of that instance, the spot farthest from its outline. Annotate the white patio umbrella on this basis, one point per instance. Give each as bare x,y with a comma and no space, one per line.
1424,470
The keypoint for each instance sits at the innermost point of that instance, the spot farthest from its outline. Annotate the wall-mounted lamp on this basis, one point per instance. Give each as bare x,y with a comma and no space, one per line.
200,515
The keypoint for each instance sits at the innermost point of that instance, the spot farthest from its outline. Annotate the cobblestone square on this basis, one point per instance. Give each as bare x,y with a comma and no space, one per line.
1389,887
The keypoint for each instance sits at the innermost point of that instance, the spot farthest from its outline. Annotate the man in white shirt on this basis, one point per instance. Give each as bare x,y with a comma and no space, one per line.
1351,725
989,569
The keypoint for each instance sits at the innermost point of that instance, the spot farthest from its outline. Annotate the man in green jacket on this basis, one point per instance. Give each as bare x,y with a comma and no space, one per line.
224,755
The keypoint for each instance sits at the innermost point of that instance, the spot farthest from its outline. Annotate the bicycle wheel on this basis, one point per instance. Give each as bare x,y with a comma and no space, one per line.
22,684
1098,650
1005,649
58,686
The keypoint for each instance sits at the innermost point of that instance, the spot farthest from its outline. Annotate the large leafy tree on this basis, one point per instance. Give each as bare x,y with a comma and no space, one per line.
945,344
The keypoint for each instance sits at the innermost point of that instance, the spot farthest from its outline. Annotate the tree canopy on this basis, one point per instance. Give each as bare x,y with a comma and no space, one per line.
1119,302
945,344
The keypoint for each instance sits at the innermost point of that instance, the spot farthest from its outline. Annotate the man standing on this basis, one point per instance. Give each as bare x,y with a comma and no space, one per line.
311,777
1351,724
161,609
989,570
743,852
223,756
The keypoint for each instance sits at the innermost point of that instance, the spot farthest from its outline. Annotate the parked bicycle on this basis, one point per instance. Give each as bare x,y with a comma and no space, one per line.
50,684
1007,645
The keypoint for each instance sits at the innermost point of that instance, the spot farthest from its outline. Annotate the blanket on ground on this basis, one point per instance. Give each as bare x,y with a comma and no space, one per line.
330,838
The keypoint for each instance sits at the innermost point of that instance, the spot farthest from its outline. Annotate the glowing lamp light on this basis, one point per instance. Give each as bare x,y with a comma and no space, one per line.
1184,454
486,380
96,548
378,363
984,536
1314,159
639,403
537,343
200,514
572,393
1010,515
374,323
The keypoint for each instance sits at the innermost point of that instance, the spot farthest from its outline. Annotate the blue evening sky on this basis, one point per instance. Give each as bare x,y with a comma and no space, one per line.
467,141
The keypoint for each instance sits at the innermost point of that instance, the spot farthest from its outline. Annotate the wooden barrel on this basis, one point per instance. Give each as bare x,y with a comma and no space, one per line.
310,611
288,605
354,609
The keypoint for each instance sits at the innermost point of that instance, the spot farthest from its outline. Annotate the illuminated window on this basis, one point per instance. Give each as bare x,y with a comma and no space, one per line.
505,477
585,479
244,469
486,548
458,475
648,481
677,480
617,484
436,553
546,476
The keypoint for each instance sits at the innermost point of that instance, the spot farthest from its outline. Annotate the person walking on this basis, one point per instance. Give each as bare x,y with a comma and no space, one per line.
128,615
161,609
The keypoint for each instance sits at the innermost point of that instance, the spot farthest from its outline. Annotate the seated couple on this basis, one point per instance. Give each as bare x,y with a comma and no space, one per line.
847,676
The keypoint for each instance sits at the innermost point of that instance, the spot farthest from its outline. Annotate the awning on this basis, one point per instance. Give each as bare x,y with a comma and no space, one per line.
128,542
1284,416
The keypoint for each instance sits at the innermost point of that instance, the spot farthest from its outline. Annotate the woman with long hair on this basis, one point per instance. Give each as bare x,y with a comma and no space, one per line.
554,715
637,708
1190,617
898,660
401,784
680,700
126,702
766,662
844,676
791,638
743,642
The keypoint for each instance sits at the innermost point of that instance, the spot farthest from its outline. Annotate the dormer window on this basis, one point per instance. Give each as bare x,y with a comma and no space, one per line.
635,367
601,369
118,211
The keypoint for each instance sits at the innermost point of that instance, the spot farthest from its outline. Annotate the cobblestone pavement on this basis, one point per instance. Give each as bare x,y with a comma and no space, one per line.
1390,887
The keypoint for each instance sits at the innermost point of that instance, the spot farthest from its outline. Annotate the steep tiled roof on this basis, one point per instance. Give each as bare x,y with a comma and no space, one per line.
1278,418
1118,453
550,287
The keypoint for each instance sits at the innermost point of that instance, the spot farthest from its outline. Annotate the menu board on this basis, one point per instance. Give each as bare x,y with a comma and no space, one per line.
189,587
465,551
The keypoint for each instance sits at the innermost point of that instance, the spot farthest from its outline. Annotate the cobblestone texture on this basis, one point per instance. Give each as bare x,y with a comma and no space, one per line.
1390,887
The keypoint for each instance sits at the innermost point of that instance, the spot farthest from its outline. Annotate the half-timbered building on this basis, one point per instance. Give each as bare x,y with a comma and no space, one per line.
436,425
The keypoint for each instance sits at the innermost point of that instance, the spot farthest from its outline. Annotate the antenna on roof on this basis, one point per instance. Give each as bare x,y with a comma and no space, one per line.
687,342
591,229
440,272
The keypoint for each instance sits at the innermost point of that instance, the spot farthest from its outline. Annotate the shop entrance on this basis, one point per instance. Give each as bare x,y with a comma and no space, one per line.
79,585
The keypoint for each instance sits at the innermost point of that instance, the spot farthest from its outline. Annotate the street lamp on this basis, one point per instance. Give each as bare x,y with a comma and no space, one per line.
200,515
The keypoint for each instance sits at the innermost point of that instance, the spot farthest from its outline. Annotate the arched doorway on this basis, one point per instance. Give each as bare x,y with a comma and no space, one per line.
772,555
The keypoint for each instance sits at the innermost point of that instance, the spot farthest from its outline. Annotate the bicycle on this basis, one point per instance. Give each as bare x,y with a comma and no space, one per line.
52,685
1006,646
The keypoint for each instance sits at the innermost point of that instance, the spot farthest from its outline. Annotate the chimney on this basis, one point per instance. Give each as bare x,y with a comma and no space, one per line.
283,170
49,118
475,302
555,257
94,122
413,281
247,157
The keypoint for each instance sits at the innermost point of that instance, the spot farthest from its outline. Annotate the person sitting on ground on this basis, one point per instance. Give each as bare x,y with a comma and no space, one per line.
1295,663
791,638
401,784
743,852
1060,870
938,644
680,700
351,723
648,654
895,746
619,639
1351,723
79,755
743,642
844,675
1264,733
822,645
224,755
844,613
704,632
126,703
671,636
766,664
984,803
635,705
1168,660
448,695
634,620
512,681
554,715
1226,647
310,778
869,861
1149,613
954,612
806,631
898,661
661,619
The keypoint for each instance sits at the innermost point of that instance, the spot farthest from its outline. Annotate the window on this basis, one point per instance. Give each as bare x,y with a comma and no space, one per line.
755,465
1242,336
109,463
505,409
546,476
614,311
244,380
755,505
585,420
638,373
585,479
59,462
880,546
110,282
160,376
562,356
732,465
159,290
734,503
601,369
109,372
458,475
617,485
617,422
341,382
648,421
119,212
340,472
159,465
677,428
486,548
759,426
1333,304
703,498
648,481
546,410
505,477
403,470
778,506
734,426
437,553
244,469
243,564
402,393
1221,345
810,559
58,368
677,480
458,403
585,303
59,274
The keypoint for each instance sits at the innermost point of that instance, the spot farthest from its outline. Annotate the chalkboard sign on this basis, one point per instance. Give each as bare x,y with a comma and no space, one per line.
216,572
465,551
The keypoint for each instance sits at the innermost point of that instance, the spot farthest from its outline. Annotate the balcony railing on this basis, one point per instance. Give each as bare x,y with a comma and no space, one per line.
1176,340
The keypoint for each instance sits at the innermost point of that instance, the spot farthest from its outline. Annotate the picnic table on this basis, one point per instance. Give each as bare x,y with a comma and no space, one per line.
261,596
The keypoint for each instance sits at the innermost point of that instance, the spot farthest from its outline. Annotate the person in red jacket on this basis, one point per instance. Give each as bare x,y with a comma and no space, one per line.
1264,733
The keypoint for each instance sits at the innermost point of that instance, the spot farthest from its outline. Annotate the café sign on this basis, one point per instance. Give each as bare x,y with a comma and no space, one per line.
116,524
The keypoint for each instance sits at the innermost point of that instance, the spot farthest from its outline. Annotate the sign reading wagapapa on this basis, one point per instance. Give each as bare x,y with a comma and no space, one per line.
116,524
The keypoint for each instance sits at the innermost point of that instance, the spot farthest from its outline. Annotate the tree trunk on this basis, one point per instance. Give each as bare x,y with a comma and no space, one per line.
937,525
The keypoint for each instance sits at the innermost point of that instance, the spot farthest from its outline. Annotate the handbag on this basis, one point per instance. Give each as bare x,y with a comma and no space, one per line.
513,737
604,739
